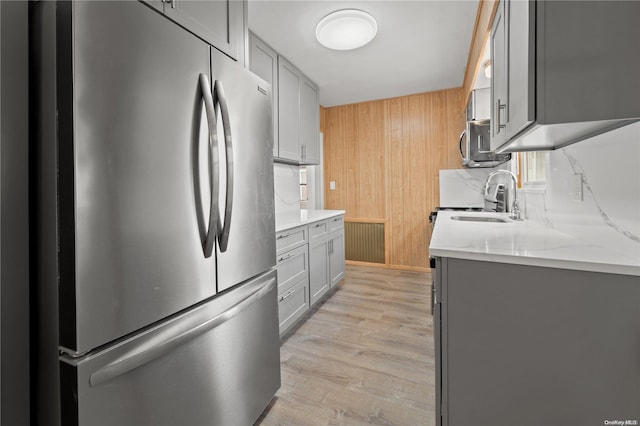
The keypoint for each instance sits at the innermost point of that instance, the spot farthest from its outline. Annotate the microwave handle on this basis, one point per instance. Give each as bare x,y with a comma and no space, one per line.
460,145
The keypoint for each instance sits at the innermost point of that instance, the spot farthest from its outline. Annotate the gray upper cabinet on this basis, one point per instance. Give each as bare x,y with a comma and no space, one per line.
263,61
296,105
288,111
562,72
298,115
309,122
219,22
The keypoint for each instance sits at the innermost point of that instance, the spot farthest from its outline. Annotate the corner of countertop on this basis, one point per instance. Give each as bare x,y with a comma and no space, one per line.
291,219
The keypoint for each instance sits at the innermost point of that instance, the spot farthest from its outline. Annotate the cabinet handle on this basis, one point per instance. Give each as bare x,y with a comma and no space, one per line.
283,258
281,236
499,108
286,295
337,219
318,225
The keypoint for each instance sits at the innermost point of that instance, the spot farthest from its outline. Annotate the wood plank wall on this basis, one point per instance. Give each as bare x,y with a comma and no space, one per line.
384,157
481,31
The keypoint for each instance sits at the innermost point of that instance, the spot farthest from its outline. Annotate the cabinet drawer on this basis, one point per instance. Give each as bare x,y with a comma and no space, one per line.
336,223
292,266
291,238
293,304
318,229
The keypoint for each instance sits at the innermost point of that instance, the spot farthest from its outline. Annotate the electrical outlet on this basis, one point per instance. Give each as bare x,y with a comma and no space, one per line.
332,185
576,187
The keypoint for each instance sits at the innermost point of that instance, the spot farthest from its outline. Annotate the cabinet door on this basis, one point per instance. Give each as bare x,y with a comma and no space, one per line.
319,280
309,122
521,62
336,258
288,111
218,22
499,78
263,62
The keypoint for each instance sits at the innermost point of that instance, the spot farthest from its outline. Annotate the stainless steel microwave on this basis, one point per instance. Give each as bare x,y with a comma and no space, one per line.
475,144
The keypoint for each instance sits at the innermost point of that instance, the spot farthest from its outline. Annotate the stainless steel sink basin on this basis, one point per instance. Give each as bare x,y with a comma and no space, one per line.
479,219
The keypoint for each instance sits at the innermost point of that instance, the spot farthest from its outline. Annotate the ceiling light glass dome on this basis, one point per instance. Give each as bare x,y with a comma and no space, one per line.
346,29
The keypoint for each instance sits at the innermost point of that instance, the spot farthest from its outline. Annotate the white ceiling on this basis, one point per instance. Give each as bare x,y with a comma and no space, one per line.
421,46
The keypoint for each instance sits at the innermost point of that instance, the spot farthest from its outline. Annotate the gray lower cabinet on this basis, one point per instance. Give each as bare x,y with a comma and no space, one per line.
336,257
220,23
293,276
319,279
293,267
292,305
291,238
336,250
310,261
535,346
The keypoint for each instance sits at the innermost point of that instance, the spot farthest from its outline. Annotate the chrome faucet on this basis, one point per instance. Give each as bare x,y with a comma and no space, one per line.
515,207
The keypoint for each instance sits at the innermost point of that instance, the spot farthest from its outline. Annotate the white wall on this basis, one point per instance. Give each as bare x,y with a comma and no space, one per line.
609,213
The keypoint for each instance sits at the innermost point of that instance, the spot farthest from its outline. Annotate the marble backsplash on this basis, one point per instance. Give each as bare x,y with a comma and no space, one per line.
464,187
609,212
286,180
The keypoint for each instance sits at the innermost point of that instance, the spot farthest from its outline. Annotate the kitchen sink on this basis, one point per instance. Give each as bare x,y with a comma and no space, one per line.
479,219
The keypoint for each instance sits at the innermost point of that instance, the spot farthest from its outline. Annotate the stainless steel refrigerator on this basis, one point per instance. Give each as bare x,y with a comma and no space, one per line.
155,296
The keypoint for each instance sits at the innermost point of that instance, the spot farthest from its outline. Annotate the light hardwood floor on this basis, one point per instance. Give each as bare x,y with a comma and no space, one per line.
364,356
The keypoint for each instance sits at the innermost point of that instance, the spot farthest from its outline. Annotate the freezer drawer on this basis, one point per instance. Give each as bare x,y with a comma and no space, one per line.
218,364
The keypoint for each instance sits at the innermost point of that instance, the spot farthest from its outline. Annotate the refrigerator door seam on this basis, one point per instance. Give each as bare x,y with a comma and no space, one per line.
223,229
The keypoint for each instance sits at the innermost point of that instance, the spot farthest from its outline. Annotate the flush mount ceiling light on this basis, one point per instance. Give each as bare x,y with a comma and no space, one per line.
346,29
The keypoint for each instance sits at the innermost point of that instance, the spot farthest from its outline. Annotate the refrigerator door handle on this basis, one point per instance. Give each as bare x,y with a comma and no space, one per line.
175,336
214,182
223,229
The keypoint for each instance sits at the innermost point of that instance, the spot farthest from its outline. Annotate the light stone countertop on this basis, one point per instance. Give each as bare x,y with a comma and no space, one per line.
524,243
290,220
